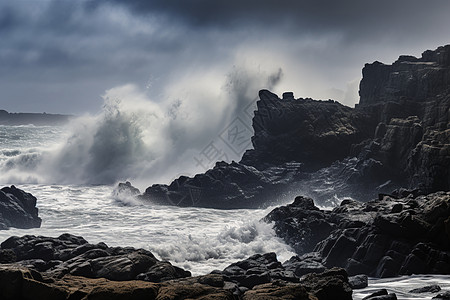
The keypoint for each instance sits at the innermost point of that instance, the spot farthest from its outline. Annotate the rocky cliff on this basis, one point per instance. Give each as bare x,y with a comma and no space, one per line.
397,136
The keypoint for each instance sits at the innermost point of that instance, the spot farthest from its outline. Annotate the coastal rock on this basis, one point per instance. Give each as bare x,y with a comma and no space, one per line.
442,296
278,290
21,283
358,281
69,267
69,254
381,295
316,133
227,185
262,275
381,238
426,289
397,136
18,209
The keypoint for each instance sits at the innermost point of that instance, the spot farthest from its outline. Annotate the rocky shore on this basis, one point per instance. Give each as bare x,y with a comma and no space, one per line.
395,235
68,267
397,136
396,139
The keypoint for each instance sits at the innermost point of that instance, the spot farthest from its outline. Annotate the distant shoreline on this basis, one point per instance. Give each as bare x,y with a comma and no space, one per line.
38,119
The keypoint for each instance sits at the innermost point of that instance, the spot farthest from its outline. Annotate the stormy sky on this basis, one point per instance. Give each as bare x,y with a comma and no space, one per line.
62,56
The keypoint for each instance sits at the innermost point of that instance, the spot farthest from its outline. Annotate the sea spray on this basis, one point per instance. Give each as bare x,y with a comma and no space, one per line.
138,138
198,239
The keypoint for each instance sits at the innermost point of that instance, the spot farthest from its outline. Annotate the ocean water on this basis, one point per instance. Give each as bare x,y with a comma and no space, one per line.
197,239
51,162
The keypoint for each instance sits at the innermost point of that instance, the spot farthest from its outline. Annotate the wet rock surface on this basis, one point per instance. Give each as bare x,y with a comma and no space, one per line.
69,254
397,136
381,238
68,267
18,209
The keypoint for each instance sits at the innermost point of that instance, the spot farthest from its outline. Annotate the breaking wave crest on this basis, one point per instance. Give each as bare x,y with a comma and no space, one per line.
133,137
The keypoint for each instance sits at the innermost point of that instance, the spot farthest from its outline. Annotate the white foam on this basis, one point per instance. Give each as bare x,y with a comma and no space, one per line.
197,239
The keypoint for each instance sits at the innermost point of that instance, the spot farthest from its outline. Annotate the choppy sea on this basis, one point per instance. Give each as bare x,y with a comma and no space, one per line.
50,162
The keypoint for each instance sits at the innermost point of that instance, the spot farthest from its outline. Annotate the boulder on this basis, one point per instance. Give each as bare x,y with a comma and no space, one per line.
69,254
374,238
18,209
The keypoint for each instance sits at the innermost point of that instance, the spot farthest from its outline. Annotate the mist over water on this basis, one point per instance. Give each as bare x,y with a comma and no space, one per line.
137,138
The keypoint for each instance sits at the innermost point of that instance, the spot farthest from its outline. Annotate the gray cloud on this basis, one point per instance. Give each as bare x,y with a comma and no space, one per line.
61,55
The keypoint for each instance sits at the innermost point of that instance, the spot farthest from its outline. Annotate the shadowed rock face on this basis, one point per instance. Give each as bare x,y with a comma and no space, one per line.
69,254
383,238
68,267
315,133
18,209
409,78
398,136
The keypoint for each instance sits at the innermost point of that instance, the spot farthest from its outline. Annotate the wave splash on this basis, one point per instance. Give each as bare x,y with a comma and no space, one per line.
136,138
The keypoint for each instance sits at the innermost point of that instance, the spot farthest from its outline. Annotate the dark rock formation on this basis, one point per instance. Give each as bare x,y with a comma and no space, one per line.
398,136
18,209
37,119
227,185
411,78
69,254
442,296
426,289
18,282
262,273
68,267
381,295
381,238
315,133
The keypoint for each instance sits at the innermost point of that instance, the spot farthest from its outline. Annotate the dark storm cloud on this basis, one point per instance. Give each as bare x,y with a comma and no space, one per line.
63,54
354,18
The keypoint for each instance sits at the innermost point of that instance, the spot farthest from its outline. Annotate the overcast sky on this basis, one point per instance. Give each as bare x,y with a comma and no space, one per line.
62,56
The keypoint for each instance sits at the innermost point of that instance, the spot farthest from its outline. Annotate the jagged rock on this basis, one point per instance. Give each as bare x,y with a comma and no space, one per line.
426,289
442,296
370,238
397,136
261,276
358,281
331,284
69,254
20,283
227,185
126,188
381,295
315,133
18,209
278,290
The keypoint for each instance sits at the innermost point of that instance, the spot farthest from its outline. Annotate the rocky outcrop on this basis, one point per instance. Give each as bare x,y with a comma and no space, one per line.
315,133
227,185
18,209
18,282
397,136
411,78
263,275
382,238
68,267
69,254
